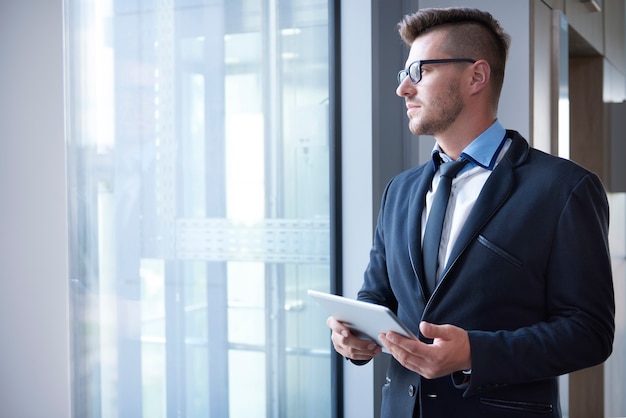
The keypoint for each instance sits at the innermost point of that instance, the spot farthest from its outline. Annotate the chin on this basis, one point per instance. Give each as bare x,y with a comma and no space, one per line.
416,128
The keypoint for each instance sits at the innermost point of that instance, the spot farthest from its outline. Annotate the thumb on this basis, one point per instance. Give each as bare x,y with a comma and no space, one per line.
432,331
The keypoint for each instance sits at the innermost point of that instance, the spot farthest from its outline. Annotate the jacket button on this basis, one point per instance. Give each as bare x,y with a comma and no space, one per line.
411,390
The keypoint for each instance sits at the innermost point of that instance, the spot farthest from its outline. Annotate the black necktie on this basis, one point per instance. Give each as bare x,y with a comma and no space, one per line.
434,224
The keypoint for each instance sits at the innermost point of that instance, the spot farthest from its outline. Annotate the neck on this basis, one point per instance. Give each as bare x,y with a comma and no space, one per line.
455,139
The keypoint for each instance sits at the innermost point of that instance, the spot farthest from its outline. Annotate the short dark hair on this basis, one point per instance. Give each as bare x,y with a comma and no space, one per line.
472,33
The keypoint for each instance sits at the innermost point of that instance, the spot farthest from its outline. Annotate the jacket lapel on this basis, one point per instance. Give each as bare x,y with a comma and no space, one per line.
495,191
417,201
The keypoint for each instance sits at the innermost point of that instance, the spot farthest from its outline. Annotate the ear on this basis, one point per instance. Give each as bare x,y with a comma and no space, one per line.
480,76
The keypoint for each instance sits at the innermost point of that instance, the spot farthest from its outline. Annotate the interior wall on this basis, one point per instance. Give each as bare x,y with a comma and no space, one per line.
541,76
34,328
615,366
597,78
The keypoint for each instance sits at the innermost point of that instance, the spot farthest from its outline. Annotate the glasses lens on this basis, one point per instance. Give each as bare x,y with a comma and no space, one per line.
401,76
415,72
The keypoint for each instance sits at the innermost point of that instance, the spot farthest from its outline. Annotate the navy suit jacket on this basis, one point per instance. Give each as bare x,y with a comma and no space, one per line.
529,278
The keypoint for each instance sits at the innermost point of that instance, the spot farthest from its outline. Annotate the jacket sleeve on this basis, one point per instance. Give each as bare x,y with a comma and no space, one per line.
376,287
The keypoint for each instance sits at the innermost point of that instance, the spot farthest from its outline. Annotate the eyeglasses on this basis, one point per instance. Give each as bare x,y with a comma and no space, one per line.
414,70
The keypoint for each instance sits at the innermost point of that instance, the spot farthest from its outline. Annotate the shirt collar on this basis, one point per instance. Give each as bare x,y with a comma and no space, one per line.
482,151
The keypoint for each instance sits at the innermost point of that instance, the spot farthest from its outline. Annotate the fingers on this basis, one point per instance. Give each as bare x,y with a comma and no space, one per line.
409,352
449,352
350,346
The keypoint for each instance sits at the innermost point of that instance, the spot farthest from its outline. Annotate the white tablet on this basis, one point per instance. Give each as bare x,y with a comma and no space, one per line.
366,320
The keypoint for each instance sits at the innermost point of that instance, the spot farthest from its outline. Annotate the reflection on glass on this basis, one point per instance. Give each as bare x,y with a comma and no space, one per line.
199,193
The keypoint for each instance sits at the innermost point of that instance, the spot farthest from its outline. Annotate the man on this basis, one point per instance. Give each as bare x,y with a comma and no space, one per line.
523,291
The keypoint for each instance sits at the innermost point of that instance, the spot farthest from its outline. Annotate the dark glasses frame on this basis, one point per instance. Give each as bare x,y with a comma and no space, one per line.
414,70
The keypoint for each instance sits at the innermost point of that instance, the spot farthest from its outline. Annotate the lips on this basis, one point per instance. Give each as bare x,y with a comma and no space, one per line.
412,107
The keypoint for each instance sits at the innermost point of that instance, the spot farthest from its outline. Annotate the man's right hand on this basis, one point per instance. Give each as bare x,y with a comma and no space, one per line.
350,346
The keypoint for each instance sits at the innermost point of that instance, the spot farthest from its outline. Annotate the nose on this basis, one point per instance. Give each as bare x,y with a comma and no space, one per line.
406,88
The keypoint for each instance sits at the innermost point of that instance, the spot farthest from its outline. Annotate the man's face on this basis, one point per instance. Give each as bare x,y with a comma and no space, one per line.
434,103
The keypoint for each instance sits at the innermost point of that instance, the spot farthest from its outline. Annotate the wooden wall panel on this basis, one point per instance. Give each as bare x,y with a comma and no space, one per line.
587,123
586,393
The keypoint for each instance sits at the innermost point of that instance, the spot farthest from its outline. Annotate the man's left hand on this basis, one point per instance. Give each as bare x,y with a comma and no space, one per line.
449,352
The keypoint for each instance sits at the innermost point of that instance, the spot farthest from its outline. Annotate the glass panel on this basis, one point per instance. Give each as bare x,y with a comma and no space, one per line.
198,153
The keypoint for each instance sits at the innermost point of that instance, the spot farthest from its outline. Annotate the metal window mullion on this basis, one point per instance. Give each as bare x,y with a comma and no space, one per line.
175,359
216,271
272,106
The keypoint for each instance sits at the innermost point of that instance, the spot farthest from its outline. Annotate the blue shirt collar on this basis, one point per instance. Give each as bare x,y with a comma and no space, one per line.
482,151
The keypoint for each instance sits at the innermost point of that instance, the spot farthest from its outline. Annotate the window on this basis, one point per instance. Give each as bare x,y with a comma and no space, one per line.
199,172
